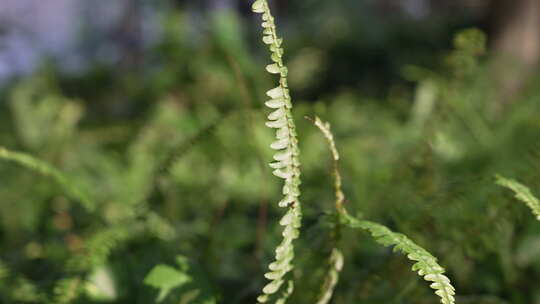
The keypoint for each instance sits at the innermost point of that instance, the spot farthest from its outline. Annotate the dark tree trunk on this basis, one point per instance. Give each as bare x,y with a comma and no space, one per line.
515,29
128,35
516,25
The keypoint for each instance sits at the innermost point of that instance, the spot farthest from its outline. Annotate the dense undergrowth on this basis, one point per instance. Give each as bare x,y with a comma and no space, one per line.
186,185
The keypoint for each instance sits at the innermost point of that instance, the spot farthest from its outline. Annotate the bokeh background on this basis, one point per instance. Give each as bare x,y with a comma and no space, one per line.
153,109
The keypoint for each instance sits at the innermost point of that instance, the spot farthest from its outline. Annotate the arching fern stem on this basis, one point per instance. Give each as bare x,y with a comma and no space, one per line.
425,265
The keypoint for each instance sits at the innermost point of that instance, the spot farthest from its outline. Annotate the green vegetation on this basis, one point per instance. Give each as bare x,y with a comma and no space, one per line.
286,165
426,264
522,193
155,187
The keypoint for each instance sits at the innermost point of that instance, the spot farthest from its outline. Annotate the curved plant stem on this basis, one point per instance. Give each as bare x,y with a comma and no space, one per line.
45,169
425,265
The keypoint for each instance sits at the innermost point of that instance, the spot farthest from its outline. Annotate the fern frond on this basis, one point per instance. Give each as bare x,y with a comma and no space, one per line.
522,193
286,293
425,265
283,259
45,169
336,259
286,165
98,246
324,127
335,266
67,290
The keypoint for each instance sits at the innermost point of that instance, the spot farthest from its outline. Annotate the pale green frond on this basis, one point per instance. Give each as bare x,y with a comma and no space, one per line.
286,293
45,169
67,290
324,127
336,259
522,193
284,257
335,265
425,265
287,164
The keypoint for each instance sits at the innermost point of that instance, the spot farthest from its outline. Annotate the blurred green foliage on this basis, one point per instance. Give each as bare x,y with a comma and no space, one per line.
173,161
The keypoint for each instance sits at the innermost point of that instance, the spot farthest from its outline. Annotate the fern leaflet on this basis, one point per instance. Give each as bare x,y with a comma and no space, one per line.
426,264
45,169
522,193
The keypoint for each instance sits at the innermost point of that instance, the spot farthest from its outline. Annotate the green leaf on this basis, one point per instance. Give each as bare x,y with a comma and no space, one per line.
273,68
522,193
166,278
258,6
194,287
